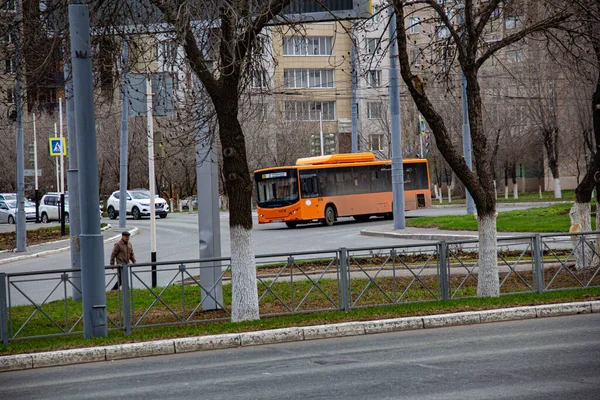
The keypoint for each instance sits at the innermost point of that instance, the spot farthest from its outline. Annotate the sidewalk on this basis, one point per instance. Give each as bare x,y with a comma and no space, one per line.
109,233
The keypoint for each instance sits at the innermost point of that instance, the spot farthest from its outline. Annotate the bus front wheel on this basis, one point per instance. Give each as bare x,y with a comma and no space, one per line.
329,216
291,225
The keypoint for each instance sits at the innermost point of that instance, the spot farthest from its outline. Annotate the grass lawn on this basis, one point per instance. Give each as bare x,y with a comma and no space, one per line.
554,218
363,314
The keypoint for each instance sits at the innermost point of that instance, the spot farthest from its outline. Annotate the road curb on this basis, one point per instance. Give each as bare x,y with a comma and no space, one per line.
133,231
418,236
294,334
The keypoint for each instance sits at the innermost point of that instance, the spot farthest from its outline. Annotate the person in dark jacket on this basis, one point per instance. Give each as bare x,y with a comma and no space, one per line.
122,253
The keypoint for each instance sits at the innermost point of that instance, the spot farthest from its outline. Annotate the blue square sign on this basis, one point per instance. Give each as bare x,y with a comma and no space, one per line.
57,146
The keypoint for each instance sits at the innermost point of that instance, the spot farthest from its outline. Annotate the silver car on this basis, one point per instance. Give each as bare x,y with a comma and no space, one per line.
8,211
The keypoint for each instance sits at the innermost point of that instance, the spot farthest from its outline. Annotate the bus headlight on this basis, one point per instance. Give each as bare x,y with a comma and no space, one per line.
308,203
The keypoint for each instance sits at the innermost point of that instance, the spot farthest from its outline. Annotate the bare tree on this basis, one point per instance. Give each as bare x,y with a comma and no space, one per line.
471,53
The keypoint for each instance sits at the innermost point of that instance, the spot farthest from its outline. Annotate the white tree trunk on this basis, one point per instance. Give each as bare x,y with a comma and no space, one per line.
516,191
505,192
488,283
540,190
557,191
244,294
450,194
435,190
495,190
581,221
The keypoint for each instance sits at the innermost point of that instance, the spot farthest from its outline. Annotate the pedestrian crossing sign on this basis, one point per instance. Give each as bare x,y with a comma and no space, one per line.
57,146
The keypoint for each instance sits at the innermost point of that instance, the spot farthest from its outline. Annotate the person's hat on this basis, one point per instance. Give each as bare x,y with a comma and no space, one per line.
125,233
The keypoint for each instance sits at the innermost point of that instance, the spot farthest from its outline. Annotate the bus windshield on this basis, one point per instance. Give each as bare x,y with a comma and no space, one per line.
276,188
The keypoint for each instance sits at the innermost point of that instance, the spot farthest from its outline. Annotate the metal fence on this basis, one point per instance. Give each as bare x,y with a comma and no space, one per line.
39,304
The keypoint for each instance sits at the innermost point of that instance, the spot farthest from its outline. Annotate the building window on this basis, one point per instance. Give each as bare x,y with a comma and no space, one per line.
166,50
260,79
10,95
415,56
376,142
513,22
308,78
515,56
372,45
307,46
374,110
414,25
374,77
9,67
309,110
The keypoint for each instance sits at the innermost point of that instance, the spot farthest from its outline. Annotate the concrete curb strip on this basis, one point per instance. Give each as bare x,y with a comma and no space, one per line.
272,336
143,349
393,325
133,231
439,321
67,357
510,314
215,342
555,310
201,343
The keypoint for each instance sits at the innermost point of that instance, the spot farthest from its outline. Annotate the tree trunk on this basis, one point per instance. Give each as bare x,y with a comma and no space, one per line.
557,191
488,284
581,222
238,186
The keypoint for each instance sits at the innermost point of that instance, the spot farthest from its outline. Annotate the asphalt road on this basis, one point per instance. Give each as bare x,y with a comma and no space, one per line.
550,358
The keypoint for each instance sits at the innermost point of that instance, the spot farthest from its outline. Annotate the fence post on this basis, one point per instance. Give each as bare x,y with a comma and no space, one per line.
538,263
344,279
443,277
3,310
290,263
126,301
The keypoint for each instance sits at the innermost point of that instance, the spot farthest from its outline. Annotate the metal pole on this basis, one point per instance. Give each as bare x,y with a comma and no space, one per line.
73,184
126,300
35,169
396,130
20,166
151,176
354,101
209,227
321,132
92,246
345,302
466,127
56,165
3,310
62,159
538,263
124,143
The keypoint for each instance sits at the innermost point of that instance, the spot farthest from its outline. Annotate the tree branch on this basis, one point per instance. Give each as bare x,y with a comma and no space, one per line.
552,22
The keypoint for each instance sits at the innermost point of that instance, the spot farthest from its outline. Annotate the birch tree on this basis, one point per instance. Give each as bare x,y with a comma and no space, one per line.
471,51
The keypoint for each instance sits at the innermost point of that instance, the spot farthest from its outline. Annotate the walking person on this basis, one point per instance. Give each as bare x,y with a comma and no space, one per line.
122,253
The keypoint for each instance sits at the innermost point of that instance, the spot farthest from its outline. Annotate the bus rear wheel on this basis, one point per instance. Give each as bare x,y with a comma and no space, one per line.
291,225
362,218
329,216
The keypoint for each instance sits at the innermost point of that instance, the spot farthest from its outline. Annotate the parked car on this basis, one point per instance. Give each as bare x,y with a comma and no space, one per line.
8,211
138,204
8,196
50,207
185,203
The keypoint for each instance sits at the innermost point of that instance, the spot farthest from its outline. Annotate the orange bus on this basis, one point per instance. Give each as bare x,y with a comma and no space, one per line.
321,189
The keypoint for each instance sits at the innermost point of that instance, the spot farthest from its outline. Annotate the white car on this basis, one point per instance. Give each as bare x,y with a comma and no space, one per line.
50,207
8,210
138,204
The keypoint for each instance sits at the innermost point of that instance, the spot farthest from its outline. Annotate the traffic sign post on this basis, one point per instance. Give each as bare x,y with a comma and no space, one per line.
57,146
